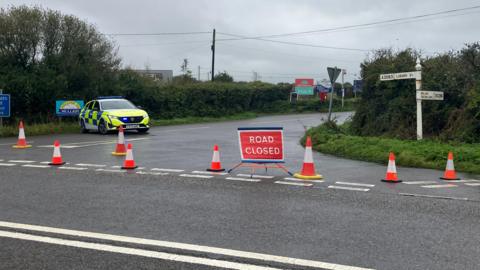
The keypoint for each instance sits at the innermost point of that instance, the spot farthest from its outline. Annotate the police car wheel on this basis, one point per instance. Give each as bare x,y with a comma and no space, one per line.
102,128
82,126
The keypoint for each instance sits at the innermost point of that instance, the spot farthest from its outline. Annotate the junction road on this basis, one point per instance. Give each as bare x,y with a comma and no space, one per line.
171,214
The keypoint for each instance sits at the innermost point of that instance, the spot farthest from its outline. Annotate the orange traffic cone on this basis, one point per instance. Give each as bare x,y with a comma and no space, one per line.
391,176
57,156
450,169
308,168
22,142
120,148
129,163
216,166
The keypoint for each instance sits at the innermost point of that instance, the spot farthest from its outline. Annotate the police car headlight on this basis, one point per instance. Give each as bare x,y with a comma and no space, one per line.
145,116
113,117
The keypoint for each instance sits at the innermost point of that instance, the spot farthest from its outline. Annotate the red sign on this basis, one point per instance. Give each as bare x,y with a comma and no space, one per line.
261,145
304,82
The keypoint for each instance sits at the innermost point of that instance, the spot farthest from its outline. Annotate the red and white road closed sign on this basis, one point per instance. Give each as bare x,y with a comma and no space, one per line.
261,145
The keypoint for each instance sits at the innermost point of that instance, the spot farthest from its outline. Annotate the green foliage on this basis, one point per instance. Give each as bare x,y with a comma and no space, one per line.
223,77
338,140
45,55
389,108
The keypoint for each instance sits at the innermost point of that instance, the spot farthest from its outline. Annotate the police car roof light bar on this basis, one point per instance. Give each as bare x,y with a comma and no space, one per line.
110,97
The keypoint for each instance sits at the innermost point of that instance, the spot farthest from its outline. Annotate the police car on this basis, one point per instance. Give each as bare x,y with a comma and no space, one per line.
106,114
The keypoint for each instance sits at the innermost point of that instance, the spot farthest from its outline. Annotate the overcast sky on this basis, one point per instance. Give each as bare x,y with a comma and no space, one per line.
274,62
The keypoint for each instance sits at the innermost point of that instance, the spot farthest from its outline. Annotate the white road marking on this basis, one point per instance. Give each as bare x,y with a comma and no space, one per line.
141,168
472,184
255,176
243,179
433,196
35,166
8,164
92,143
107,170
350,188
134,251
73,168
354,184
461,181
196,176
21,161
303,180
419,182
166,170
293,184
440,186
115,167
45,162
182,246
91,165
211,173
1,160
152,173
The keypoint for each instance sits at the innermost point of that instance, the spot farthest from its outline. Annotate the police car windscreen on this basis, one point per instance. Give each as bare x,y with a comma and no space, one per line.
117,104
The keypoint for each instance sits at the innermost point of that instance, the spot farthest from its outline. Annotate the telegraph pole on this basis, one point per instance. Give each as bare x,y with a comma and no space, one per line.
213,55
198,73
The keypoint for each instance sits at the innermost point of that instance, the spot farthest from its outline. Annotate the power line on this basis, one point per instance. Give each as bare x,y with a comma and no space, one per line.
292,43
158,34
402,19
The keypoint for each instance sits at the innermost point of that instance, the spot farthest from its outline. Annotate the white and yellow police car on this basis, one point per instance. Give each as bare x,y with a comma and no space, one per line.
106,114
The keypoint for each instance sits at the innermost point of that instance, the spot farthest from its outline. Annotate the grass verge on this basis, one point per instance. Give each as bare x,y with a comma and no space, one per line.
337,140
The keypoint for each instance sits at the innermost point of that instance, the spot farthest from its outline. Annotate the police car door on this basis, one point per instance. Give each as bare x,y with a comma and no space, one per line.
94,115
86,111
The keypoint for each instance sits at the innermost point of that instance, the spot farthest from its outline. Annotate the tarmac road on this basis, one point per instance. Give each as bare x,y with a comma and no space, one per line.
350,219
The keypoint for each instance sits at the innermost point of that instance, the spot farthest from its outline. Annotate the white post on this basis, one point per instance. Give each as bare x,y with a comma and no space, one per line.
343,85
418,86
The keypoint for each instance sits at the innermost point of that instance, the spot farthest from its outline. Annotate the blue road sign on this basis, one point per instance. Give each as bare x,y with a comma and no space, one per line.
4,105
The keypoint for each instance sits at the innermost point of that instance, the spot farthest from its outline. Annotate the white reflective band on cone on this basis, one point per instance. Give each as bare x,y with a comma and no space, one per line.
56,151
129,154
216,156
21,134
308,155
121,138
391,166
450,166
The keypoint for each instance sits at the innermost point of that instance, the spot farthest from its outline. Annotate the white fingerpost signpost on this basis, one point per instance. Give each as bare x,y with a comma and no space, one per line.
420,95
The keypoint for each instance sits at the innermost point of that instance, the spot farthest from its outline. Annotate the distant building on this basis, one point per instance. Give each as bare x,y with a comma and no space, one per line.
157,74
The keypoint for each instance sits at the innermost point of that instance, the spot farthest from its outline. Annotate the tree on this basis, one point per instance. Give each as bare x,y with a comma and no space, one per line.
223,77
45,55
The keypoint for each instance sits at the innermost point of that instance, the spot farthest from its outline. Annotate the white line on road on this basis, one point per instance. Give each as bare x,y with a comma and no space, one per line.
293,184
152,173
211,173
433,196
45,162
182,246
90,165
196,176
8,164
21,161
73,168
134,251
354,184
255,176
107,170
243,179
440,186
166,170
350,188
87,144
419,182
472,184
35,166
303,180
461,181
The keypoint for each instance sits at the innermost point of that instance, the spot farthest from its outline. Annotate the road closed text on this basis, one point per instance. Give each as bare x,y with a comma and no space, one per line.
261,145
